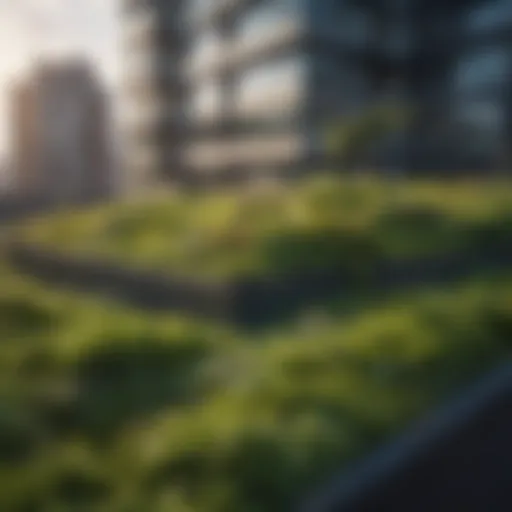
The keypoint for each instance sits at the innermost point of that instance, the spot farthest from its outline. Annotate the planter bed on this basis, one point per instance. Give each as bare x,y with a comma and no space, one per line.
252,257
316,226
250,301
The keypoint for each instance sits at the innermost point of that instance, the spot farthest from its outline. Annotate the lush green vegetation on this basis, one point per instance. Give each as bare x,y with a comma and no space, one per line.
316,224
108,409
105,409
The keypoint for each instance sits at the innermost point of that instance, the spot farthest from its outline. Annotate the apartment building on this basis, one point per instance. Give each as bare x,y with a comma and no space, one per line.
153,90
60,134
270,76
264,80
263,75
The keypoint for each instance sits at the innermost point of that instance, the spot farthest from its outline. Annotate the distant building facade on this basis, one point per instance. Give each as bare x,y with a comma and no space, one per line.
265,79
61,147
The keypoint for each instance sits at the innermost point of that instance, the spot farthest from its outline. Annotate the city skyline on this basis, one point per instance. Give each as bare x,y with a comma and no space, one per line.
31,29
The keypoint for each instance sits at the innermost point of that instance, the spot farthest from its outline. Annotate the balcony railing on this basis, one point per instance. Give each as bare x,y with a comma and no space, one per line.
241,54
254,151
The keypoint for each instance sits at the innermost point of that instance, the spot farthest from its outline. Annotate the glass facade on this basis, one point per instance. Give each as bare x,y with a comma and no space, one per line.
335,21
483,77
481,88
492,15
486,67
339,88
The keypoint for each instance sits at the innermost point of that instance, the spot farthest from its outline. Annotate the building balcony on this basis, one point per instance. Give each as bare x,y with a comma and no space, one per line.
246,53
217,127
255,151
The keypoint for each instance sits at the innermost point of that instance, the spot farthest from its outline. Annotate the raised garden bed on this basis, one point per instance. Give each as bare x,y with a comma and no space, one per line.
252,258
318,226
247,302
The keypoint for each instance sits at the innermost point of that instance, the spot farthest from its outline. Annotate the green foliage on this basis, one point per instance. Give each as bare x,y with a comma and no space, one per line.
106,409
110,410
312,250
316,225
351,138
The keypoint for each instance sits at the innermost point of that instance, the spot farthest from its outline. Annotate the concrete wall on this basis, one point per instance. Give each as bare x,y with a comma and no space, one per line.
246,302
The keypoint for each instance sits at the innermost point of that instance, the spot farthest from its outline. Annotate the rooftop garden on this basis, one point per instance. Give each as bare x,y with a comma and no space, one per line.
318,224
108,409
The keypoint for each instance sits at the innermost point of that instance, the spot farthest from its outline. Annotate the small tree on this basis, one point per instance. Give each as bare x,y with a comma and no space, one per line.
350,139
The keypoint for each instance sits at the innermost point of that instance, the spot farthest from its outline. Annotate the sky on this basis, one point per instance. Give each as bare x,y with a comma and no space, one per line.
38,28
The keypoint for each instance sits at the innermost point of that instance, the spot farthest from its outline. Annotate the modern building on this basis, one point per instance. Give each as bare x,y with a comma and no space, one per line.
154,88
60,135
266,79
483,83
